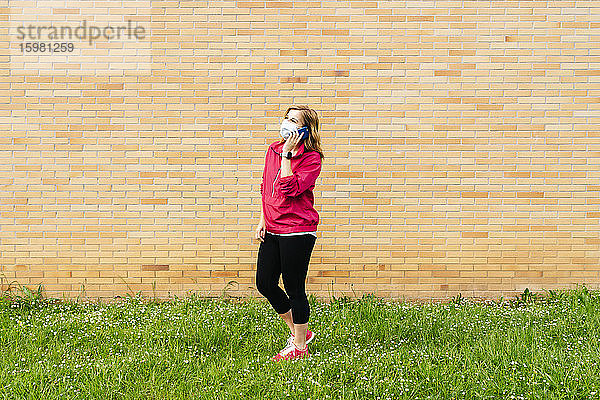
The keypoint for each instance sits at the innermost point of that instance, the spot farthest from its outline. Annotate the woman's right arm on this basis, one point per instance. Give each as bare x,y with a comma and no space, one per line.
259,233
262,214
260,228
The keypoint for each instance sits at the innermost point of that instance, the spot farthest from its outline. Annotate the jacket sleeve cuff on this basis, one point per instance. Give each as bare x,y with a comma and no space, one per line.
288,184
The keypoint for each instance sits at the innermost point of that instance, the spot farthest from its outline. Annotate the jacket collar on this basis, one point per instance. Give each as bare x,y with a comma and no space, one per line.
278,146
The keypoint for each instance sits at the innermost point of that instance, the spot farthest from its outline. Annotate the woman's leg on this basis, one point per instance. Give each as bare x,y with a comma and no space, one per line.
287,317
295,254
268,269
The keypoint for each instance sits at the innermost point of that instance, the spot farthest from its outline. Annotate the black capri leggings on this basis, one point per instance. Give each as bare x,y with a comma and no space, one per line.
288,256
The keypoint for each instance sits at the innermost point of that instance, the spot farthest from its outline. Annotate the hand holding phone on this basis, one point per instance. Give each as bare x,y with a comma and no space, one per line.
287,127
303,133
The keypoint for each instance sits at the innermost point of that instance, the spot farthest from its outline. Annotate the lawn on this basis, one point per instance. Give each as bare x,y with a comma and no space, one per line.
535,346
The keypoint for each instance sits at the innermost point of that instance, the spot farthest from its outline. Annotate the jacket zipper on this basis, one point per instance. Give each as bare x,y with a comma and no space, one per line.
273,193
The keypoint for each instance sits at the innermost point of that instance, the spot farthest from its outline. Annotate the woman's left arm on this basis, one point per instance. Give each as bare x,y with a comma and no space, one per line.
303,178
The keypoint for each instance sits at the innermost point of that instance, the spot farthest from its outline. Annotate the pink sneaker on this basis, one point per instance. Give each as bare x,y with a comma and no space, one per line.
290,353
309,337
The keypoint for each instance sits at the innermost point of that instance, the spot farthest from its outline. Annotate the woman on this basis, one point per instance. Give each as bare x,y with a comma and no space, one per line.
288,223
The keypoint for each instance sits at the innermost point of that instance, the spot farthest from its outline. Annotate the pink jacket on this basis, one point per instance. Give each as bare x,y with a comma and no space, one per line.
288,202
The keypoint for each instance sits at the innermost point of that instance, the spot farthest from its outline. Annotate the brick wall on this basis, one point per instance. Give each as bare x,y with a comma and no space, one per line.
462,146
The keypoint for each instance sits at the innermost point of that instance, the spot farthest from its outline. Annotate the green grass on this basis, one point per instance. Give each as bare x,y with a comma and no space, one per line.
533,347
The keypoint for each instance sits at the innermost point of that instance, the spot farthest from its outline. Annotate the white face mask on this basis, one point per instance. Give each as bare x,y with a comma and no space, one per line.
287,128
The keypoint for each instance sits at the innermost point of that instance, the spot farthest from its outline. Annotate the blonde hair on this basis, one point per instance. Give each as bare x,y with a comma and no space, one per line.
310,119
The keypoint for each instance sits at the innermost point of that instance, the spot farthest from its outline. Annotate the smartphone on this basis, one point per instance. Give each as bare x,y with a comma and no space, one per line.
303,133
